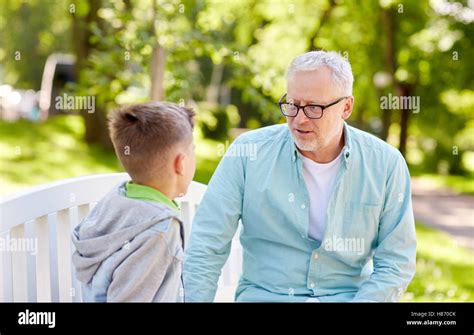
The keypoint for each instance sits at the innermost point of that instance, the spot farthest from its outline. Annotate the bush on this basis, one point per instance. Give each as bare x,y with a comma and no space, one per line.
216,120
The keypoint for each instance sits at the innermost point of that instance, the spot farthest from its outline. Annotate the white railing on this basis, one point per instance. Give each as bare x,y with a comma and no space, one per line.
35,228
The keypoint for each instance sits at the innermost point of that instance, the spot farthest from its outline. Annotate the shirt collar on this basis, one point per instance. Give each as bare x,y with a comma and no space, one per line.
346,150
142,192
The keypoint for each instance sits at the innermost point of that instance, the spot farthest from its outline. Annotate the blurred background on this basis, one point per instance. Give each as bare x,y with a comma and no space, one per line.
65,64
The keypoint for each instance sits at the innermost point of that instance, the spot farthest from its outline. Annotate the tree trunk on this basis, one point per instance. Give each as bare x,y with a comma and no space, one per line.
402,90
213,89
158,65
390,63
359,119
95,123
386,121
324,17
158,61
405,116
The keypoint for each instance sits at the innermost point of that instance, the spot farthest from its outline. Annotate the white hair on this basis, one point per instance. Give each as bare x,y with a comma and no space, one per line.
313,60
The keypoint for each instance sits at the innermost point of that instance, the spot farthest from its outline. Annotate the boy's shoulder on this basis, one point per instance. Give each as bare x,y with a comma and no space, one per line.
119,215
116,201
172,231
172,228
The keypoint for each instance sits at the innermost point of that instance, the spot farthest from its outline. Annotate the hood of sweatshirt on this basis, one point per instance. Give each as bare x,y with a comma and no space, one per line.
113,223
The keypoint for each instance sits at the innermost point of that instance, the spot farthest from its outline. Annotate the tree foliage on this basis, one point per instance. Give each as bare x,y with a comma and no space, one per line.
228,60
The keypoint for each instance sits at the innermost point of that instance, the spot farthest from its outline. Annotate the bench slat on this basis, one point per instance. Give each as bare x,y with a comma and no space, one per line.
82,212
19,270
2,273
6,278
43,277
30,237
187,214
53,257
63,229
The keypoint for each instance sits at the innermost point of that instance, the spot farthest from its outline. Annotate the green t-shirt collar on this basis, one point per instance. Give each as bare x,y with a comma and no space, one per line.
142,192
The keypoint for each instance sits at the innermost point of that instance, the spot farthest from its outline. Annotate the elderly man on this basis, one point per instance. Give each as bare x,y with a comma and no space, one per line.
325,208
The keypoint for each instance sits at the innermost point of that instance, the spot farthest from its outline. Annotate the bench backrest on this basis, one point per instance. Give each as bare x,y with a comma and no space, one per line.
35,238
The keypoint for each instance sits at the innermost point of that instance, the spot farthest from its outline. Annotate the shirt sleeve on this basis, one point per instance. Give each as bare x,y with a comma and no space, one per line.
395,253
214,226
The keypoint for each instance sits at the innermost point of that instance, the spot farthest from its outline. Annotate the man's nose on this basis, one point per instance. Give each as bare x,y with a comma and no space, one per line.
301,118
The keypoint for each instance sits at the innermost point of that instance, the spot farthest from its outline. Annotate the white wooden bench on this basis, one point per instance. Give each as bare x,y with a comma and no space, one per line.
46,215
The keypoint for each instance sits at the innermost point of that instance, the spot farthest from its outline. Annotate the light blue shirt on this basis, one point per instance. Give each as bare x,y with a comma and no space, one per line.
368,252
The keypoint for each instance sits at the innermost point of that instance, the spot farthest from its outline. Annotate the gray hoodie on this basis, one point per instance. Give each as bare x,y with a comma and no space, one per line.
129,250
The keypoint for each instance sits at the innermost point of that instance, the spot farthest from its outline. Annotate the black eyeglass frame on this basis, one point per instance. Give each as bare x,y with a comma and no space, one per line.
323,107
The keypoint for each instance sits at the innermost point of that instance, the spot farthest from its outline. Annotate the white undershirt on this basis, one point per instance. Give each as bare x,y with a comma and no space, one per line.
319,179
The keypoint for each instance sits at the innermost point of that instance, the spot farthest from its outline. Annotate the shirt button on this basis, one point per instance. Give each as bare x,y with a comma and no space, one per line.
316,256
312,285
303,206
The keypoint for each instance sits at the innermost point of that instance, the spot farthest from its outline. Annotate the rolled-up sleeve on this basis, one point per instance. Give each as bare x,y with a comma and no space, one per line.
214,226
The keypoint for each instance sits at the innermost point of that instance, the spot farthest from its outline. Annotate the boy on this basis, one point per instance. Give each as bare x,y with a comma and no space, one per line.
130,247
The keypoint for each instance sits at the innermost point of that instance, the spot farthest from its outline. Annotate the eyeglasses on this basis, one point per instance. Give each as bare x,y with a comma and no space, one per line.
311,111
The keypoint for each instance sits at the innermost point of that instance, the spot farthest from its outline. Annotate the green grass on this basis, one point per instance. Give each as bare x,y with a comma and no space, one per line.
32,154
458,184
38,153
206,157
444,271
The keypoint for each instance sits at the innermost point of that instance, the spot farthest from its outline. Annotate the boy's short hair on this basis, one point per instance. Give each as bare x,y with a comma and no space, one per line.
143,135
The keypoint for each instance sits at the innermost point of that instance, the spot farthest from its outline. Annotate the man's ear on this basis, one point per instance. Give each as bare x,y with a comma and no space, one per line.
178,164
348,105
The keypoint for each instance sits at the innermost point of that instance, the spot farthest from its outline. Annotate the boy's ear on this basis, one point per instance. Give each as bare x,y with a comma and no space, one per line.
178,165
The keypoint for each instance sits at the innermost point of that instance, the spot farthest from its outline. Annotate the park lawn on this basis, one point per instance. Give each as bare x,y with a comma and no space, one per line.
444,271
32,154
458,184
38,153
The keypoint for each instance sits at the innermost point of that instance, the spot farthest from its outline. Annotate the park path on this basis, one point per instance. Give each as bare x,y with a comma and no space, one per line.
444,210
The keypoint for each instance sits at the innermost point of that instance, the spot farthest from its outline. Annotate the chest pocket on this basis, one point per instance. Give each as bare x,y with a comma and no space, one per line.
361,221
